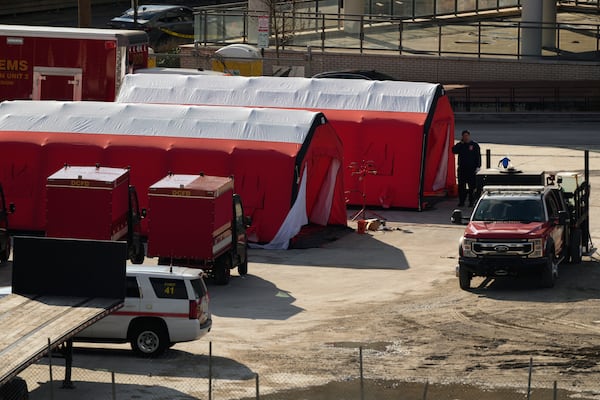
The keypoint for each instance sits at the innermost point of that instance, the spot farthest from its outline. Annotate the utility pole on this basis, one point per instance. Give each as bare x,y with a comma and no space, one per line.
85,13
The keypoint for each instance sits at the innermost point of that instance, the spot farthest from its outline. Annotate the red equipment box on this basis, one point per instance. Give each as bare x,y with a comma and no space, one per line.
190,216
87,203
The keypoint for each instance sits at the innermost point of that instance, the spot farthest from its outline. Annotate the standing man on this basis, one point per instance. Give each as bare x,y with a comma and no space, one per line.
469,163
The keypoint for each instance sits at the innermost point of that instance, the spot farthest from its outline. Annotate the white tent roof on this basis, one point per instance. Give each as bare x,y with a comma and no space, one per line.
268,91
271,125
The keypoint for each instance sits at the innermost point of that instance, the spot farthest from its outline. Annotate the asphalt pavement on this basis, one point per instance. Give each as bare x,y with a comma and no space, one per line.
569,130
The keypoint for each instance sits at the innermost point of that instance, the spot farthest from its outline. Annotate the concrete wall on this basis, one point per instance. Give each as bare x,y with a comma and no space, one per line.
414,68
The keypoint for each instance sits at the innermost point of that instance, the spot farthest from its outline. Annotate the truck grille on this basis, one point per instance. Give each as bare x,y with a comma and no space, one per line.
504,248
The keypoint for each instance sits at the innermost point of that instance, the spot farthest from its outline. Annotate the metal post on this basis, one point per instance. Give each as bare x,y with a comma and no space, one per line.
425,390
362,383
362,33
400,29
488,158
209,370
68,354
322,32
113,385
554,392
439,40
479,39
558,39
586,211
50,369
529,379
518,40
257,389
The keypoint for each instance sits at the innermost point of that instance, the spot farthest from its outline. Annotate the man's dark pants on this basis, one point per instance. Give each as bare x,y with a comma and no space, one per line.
466,185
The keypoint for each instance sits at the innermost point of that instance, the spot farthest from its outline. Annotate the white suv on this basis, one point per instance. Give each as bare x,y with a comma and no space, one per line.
163,305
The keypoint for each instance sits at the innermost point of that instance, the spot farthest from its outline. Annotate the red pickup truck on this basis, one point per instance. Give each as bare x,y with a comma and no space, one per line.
519,230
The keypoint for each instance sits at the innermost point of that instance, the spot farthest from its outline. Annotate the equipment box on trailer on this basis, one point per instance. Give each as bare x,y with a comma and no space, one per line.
199,208
197,221
87,203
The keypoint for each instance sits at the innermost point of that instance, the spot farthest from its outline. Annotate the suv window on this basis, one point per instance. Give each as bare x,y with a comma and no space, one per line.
199,288
132,288
169,288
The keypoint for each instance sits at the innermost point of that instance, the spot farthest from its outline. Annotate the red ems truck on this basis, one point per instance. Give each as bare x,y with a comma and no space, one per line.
5,243
60,63
197,221
85,202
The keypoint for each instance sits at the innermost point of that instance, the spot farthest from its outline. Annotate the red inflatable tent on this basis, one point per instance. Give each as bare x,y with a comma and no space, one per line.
286,163
402,132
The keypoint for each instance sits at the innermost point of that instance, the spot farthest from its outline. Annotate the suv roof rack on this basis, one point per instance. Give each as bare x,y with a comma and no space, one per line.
513,189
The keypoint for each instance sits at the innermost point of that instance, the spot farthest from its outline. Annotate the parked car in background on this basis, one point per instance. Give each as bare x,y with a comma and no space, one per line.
166,25
370,75
164,305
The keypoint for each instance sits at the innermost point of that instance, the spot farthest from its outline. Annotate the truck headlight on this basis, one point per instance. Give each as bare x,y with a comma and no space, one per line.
538,248
467,247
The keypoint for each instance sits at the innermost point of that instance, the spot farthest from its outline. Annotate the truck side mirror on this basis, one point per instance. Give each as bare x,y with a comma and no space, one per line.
456,217
11,208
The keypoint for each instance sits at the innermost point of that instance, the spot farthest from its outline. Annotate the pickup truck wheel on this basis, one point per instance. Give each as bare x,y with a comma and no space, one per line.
548,272
150,339
464,278
575,247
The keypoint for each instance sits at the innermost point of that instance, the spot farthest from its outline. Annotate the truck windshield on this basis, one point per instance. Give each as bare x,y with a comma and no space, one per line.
509,209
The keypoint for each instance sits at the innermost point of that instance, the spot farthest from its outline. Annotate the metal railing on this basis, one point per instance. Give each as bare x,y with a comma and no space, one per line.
438,37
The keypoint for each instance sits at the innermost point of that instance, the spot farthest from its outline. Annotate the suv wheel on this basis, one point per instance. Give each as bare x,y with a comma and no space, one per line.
149,339
464,278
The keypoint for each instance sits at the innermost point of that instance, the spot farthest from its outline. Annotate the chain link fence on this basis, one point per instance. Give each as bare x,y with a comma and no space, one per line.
340,371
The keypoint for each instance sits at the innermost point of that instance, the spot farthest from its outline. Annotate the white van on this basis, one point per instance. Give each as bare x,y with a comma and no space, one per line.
164,305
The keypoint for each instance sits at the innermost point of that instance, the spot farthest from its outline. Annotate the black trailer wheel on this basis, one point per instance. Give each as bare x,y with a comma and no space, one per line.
548,278
243,267
221,273
4,255
136,252
575,246
149,339
4,246
464,278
